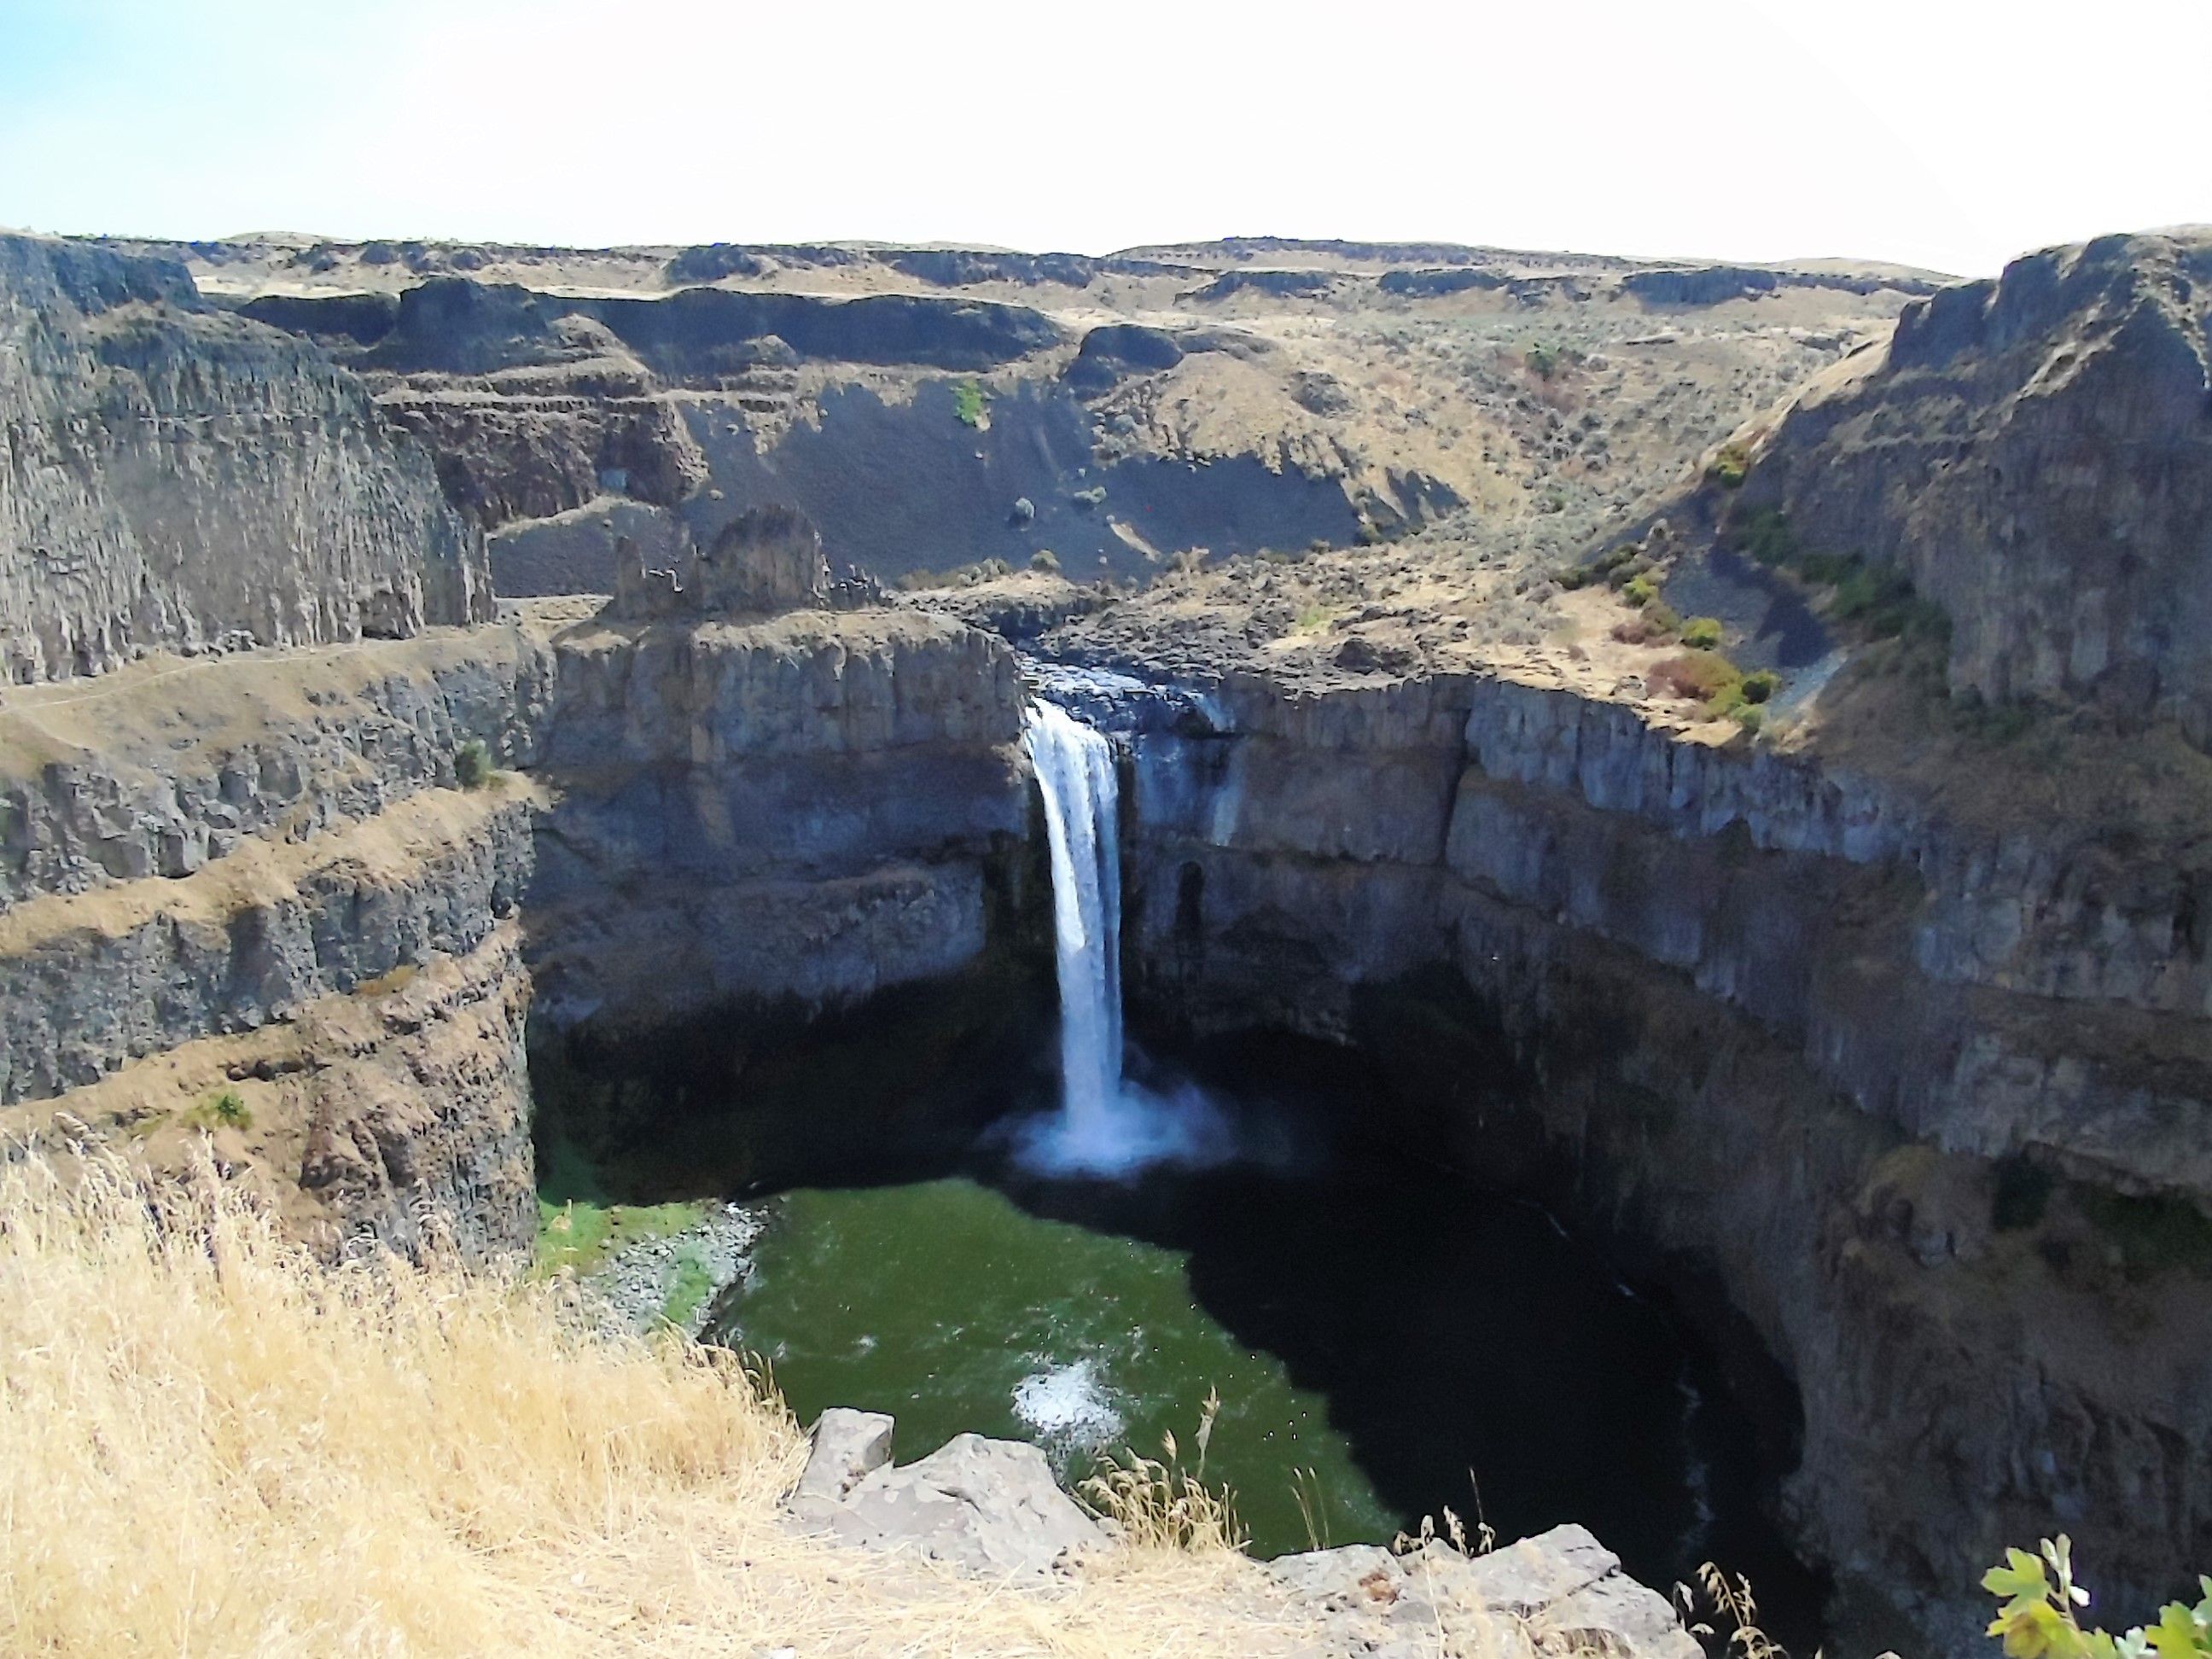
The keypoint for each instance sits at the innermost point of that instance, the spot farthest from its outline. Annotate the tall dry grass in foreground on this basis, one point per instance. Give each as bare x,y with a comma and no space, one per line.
211,1444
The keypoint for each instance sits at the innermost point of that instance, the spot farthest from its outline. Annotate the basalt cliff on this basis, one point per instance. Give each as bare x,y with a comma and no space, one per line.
1765,819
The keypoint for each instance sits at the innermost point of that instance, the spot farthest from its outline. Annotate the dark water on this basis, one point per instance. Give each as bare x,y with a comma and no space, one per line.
1386,1340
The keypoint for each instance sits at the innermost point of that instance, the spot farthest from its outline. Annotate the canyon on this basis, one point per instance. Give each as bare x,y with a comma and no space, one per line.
1875,1027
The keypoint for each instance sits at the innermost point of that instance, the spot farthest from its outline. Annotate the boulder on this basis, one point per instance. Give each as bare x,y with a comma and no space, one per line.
1562,1587
989,1506
768,559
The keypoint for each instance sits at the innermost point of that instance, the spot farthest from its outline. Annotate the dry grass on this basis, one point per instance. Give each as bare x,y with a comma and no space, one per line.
211,1445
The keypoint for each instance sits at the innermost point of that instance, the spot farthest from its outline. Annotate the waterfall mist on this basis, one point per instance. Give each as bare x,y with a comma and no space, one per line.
1105,1126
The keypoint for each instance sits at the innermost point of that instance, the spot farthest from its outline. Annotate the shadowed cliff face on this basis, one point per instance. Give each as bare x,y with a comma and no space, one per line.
2036,454
178,478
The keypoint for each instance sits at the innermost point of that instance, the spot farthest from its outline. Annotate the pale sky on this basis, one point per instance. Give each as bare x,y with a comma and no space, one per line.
1931,132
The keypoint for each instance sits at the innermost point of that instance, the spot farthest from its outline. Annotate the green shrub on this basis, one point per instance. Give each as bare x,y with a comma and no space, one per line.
969,404
1702,633
1661,617
1641,591
472,767
1730,466
225,1109
1764,534
1751,719
1707,677
1760,685
2036,1613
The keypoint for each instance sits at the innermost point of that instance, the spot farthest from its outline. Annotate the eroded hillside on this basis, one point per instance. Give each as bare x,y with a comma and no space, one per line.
932,408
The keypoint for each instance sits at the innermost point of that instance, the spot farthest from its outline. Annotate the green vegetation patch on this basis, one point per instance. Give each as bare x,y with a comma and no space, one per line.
688,1290
472,767
1730,466
969,403
579,1229
1702,633
224,1110
1764,535
2037,1613
1877,600
1709,678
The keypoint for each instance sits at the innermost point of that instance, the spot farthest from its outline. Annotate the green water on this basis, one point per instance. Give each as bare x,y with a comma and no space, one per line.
945,1304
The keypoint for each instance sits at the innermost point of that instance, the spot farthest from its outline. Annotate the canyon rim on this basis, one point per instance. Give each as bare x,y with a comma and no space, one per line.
547,762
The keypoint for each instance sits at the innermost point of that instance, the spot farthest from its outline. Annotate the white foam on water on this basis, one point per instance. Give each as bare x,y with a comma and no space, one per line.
1069,1403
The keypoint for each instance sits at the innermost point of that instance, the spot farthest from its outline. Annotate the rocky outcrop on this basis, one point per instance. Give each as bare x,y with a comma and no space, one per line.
763,560
987,1506
180,478
2035,453
990,1507
801,806
1561,1592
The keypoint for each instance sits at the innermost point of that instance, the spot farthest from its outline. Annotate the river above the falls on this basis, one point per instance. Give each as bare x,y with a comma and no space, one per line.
1385,1340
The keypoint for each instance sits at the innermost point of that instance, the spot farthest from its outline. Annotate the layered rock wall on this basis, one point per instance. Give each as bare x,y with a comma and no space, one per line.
179,478
252,895
806,806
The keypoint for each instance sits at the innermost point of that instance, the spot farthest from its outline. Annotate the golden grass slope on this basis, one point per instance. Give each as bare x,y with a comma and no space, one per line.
210,1444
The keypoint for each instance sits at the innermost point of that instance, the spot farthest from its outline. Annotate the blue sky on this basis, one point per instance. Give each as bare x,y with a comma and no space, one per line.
1937,133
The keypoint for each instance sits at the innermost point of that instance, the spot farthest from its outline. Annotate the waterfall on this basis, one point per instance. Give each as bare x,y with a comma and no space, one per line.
1106,1126
1074,769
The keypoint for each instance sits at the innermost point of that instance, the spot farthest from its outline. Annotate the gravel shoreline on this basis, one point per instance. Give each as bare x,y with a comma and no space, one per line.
632,1290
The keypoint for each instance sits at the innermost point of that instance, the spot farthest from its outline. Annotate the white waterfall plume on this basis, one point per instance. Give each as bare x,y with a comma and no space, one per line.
1104,1126
1075,773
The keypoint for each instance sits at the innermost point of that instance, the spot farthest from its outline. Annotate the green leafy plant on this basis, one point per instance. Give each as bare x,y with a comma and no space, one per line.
1702,633
225,1109
1730,465
969,404
1760,685
1640,591
472,767
2037,1599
